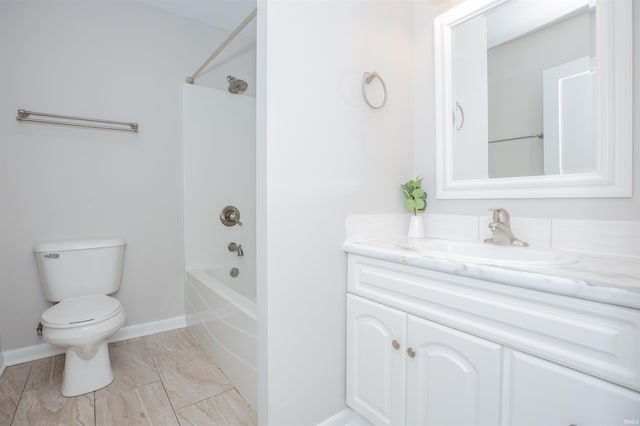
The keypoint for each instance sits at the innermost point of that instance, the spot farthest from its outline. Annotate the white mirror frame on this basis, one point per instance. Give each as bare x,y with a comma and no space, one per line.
614,34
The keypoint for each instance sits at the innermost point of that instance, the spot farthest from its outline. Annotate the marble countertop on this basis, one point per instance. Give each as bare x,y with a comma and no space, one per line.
606,279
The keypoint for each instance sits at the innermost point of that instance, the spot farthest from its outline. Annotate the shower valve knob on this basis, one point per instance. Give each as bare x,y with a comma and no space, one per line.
230,216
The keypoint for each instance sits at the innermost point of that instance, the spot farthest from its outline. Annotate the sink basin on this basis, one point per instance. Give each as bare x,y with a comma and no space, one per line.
494,254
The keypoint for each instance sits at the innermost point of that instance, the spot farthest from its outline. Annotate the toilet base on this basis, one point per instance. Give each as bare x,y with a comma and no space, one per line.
82,376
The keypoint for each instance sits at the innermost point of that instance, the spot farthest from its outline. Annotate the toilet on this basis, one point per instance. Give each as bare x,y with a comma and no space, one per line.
78,276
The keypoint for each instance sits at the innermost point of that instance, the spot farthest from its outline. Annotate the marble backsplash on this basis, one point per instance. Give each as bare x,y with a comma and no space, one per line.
616,238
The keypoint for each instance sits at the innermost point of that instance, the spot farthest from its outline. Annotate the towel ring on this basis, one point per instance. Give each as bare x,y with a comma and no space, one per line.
367,78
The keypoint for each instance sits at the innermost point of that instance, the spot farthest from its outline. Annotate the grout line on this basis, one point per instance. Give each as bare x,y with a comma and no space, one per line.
24,387
155,365
173,409
209,397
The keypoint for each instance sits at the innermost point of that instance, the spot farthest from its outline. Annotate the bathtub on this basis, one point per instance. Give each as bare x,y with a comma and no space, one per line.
221,313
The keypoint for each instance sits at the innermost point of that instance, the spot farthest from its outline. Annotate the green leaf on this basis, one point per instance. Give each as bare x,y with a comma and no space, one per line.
418,193
416,197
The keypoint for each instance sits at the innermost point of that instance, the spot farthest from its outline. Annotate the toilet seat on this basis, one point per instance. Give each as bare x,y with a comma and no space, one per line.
81,311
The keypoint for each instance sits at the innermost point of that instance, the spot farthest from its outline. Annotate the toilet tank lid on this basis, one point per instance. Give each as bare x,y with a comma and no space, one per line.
80,244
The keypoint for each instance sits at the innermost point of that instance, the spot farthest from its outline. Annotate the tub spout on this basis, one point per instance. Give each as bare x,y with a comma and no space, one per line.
236,247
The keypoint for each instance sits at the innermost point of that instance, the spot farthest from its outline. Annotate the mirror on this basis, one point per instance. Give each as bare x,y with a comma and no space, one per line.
533,99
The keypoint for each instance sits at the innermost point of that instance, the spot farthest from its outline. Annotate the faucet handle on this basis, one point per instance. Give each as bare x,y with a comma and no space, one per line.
230,216
500,215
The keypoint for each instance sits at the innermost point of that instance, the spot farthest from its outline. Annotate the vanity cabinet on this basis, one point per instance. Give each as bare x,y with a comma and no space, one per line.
450,378
375,362
544,393
453,378
429,348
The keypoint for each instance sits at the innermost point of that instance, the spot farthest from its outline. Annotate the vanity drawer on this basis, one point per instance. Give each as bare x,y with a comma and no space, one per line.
596,338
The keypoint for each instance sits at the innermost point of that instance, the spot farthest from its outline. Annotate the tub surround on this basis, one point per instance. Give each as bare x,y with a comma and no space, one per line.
218,143
221,313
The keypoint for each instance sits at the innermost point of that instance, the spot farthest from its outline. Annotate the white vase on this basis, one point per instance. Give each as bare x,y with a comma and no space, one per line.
416,227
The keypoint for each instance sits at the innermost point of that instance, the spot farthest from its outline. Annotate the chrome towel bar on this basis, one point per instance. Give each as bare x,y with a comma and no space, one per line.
92,123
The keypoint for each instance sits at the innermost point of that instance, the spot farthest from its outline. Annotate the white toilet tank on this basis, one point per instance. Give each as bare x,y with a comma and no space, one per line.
80,267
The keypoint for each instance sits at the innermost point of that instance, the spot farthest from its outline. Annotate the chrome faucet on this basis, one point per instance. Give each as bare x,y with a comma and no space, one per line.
501,230
236,247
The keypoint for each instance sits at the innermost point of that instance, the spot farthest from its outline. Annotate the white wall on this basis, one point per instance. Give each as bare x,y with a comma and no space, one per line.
424,159
117,60
322,154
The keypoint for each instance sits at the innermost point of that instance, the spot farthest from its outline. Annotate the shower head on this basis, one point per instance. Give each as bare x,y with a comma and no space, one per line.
236,86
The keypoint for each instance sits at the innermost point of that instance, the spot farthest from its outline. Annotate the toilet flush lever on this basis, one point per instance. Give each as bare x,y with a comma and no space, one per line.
51,255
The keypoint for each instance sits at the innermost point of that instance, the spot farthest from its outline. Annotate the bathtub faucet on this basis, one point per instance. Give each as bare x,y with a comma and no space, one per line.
237,248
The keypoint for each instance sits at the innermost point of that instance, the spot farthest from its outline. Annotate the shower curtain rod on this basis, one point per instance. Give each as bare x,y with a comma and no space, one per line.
224,44
539,136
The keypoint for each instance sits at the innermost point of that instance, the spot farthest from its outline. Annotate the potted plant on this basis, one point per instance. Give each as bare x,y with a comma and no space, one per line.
415,201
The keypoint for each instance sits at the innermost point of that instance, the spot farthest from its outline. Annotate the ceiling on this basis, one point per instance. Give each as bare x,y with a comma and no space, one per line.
520,17
227,14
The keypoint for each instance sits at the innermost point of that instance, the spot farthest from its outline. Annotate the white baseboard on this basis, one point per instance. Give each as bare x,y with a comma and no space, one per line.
153,327
29,353
346,417
43,350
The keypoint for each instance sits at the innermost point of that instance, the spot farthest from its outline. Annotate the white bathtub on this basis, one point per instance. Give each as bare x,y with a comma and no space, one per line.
221,313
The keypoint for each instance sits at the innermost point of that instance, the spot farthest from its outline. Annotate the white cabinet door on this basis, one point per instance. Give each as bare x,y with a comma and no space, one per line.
470,94
543,393
376,361
453,378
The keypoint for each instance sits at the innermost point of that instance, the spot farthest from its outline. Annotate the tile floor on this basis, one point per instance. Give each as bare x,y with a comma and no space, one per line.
161,379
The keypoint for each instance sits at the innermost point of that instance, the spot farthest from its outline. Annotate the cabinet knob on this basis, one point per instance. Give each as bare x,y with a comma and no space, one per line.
395,344
411,352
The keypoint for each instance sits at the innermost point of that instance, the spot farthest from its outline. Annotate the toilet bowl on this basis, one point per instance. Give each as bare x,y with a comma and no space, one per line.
78,276
81,326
